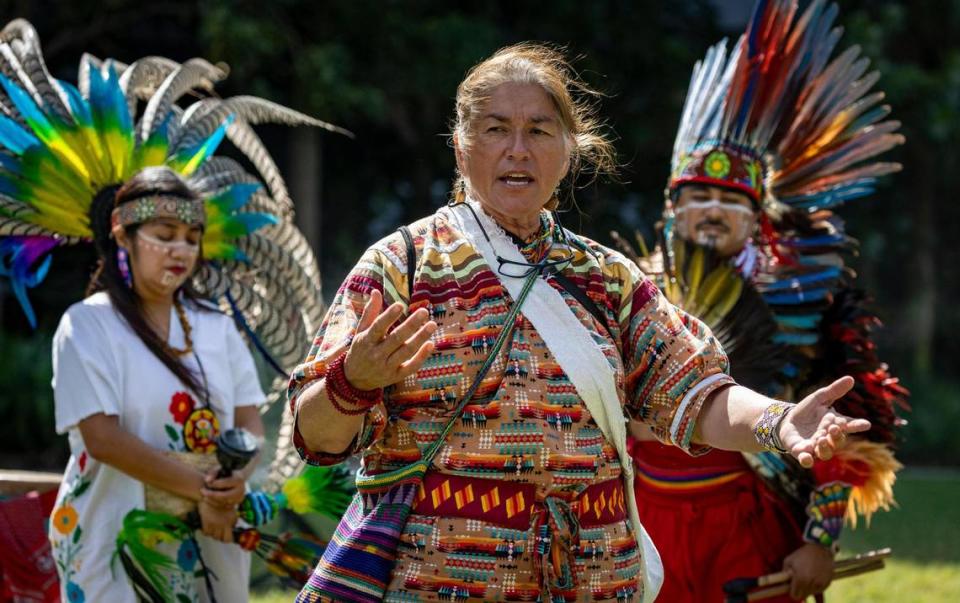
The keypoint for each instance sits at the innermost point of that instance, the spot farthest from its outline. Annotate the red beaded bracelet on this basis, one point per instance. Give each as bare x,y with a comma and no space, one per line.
343,409
339,387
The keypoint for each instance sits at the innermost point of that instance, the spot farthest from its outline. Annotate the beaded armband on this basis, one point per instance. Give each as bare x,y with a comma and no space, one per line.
767,427
825,513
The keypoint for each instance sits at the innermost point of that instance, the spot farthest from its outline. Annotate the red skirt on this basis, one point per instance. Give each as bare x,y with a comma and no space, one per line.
711,519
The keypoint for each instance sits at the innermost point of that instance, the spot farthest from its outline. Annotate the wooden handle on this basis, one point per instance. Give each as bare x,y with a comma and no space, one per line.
783,588
863,557
855,561
776,578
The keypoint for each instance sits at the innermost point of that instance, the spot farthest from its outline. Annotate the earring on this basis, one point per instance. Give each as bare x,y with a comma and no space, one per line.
123,264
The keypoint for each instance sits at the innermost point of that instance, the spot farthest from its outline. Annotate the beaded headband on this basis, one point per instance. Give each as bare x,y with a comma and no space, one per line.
162,206
722,164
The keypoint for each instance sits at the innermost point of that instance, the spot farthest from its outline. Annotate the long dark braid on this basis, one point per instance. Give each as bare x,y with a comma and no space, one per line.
107,277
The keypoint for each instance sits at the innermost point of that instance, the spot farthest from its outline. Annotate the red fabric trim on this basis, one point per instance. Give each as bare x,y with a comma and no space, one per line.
512,504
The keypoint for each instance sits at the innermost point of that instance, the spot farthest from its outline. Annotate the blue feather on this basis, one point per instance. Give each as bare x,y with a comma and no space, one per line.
797,297
18,262
234,197
78,107
15,138
254,221
804,321
814,241
797,282
28,109
796,338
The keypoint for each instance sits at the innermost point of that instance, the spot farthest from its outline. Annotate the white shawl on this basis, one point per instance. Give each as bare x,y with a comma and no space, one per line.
579,356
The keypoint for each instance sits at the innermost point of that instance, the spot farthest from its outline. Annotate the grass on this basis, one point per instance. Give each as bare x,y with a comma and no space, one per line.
924,533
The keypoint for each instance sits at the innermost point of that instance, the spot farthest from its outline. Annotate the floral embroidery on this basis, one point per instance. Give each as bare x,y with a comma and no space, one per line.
200,424
65,520
187,555
200,431
181,405
75,593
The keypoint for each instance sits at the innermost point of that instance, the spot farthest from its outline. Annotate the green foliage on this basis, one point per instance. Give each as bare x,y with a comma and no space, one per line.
388,70
26,406
931,436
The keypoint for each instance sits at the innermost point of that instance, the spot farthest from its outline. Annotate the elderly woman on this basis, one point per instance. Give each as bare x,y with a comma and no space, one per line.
529,496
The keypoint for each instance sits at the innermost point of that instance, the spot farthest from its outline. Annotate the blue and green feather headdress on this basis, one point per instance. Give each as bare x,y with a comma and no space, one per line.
61,144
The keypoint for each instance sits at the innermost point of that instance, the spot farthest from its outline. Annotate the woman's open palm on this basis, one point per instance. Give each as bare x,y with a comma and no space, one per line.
814,428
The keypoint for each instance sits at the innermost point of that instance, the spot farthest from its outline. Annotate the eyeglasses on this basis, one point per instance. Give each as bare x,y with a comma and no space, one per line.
514,269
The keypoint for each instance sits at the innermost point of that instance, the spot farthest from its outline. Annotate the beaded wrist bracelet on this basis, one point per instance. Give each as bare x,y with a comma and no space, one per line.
767,427
339,389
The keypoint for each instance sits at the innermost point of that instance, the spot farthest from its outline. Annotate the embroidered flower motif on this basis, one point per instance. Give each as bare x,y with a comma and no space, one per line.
65,519
75,593
187,555
200,431
717,164
181,405
82,461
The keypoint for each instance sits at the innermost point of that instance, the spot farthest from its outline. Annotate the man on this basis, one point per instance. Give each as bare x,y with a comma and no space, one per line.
744,247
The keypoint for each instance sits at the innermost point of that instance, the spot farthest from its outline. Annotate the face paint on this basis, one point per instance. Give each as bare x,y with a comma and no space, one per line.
154,244
714,203
724,226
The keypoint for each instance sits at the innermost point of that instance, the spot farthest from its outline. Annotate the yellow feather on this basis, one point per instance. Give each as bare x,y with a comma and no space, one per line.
298,495
877,492
694,276
722,296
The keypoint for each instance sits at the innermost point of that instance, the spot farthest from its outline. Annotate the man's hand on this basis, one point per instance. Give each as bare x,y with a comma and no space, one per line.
380,356
814,428
812,569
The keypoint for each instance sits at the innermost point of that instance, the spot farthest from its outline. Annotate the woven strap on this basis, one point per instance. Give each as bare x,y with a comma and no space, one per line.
504,333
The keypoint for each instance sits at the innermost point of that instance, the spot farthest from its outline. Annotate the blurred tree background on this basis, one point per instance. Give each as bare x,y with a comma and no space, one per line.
388,70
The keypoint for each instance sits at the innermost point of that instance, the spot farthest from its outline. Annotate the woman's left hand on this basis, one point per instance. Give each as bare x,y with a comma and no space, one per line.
225,492
814,428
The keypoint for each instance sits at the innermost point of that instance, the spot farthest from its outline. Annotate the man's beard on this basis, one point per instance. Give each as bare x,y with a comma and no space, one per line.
710,238
706,239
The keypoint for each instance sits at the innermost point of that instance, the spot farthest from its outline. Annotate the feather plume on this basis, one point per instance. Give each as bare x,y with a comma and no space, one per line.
60,144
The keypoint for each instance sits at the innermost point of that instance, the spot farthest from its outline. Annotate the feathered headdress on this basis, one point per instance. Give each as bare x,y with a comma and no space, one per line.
61,144
799,132
776,116
798,128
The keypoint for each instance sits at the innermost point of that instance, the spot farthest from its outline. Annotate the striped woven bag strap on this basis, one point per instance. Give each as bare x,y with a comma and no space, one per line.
504,333
416,470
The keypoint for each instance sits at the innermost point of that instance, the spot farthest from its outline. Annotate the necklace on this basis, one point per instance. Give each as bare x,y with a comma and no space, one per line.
185,326
514,269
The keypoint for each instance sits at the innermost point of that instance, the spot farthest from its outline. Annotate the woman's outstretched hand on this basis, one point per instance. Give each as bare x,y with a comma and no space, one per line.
380,356
814,428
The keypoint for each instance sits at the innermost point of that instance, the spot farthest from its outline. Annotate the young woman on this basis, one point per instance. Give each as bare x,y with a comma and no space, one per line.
143,368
